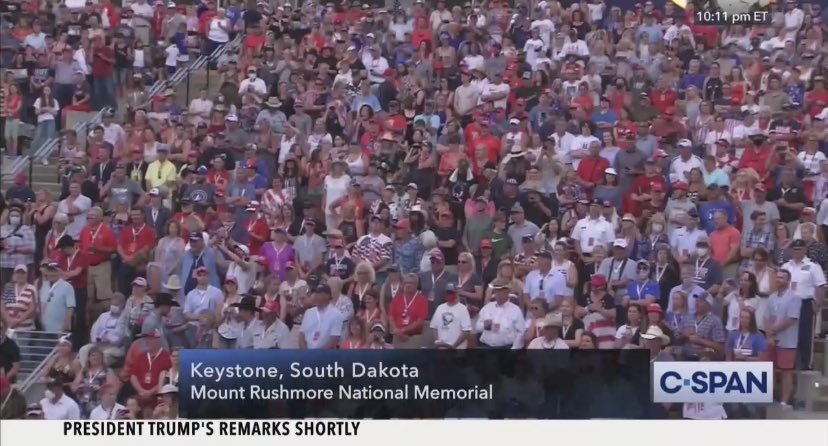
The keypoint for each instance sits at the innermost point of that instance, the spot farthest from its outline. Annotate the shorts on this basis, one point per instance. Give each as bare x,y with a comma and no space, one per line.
171,69
783,358
11,129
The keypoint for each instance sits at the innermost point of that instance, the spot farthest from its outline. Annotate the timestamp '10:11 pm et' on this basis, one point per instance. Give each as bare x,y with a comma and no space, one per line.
718,17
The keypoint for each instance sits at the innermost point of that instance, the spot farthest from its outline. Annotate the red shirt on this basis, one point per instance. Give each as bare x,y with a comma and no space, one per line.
221,178
13,105
69,263
204,22
756,160
420,36
181,218
415,310
491,145
101,237
811,97
592,169
147,367
101,67
662,99
260,228
135,239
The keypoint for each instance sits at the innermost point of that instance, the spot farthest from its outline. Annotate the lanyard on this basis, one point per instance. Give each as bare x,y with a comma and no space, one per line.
154,215
95,234
18,293
700,265
202,296
150,360
565,330
698,324
53,243
408,303
641,288
620,268
370,317
742,341
51,291
393,289
365,289
660,273
135,233
69,260
435,279
460,283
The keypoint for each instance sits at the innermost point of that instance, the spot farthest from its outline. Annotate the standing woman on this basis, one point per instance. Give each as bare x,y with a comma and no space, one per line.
279,253
58,230
365,278
170,250
11,113
742,298
336,187
469,284
47,108
765,274
372,313
665,273
392,285
538,309
18,243
218,31
572,327
608,189
782,241
40,218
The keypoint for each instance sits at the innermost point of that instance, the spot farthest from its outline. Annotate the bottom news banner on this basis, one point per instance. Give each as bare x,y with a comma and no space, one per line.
409,384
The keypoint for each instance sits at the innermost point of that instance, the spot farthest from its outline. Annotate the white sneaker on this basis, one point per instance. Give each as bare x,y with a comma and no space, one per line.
45,161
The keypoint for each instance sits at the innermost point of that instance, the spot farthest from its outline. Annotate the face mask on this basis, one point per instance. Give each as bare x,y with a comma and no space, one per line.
49,394
251,76
378,338
701,252
14,221
114,310
658,227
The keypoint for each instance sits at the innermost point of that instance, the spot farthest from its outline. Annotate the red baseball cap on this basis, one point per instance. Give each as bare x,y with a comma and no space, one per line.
654,308
657,187
485,243
403,224
681,185
598,281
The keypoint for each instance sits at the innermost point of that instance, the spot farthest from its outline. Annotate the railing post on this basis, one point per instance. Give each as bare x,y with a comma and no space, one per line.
31,170
187,101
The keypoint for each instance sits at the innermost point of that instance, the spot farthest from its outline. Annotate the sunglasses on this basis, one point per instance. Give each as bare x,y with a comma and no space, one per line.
463,261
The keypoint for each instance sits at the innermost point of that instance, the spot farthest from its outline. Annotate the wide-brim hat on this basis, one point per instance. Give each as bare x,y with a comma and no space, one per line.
248,303
165,299
273,102
655,332
550,320
173,283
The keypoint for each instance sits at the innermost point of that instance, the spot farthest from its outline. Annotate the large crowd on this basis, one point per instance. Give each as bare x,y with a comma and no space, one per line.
488,175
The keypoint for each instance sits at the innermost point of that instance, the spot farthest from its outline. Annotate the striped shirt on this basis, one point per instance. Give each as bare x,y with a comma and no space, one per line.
17,238
18,300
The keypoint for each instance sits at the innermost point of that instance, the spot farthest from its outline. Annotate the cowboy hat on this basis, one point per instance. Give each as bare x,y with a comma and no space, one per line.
550,320
163,299
248,303
168,389
173,283
274,102
654,332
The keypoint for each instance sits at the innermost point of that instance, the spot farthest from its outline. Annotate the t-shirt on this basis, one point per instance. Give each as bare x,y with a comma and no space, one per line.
451,321
9,354
751,344
124,192
446,234
780,307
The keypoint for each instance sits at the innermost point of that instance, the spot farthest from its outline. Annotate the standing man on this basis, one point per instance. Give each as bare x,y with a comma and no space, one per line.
451,322
98,243
76,207
103,64
784,308
500,321
73,264
807,283
407,314
134,245
58,299
322,324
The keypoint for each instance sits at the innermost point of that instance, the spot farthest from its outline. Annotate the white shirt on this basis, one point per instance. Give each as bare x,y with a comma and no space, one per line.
533,48
703,411
806,277
540,343
80,58
474,62
684,240
376,70
680,169
507,324
811,162
217,34
546,27
258,85
596,11
580,143
713,136
276,335
491,89
78,221
244,279
590,233
793,21
113,133
64,409
450,322
99,413
563,145
578,47
172,56
549,286
319,327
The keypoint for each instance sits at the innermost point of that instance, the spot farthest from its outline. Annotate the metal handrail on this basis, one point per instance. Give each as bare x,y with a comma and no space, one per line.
48,336
46,149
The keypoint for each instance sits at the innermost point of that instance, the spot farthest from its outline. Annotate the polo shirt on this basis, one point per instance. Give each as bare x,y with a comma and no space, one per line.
592,232
806,276
721,241
793,194
320,325
636,291
507,324
55,298
780,307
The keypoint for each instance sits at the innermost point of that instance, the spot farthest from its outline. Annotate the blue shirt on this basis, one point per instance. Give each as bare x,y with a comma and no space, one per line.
650,288
370,100
608,117
754,342
653,31
54,300
687,80
709,208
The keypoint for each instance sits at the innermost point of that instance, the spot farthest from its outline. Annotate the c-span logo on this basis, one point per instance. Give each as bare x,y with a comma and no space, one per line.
712,382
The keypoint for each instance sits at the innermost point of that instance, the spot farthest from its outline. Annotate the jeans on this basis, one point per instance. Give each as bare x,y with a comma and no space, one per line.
103,93
44,132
